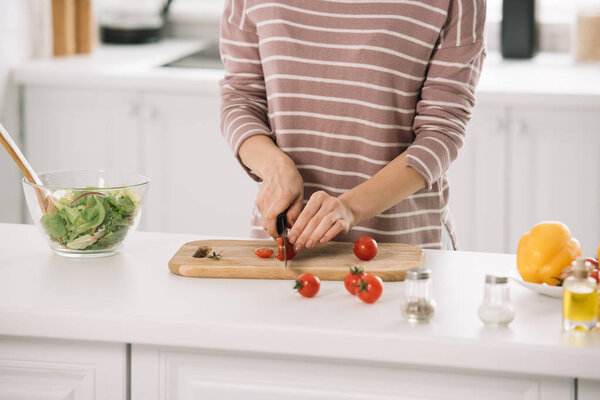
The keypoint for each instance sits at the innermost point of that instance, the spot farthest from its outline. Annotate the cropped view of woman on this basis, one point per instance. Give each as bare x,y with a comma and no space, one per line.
349,113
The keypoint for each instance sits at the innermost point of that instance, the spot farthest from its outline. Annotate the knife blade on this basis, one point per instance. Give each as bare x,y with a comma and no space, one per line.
281,222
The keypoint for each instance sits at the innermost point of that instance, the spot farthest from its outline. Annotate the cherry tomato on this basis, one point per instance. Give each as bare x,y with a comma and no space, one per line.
290,250
352,279
307,285
371,288
365,248
594,274
264,253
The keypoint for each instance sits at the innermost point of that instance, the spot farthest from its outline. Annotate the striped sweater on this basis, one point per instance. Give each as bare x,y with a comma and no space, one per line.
345,86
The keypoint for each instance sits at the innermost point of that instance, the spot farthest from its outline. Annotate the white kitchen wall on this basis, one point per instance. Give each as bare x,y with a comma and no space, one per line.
128,5
156,4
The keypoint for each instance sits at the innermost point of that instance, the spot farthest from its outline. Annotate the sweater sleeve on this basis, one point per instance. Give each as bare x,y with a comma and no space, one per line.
448,92
243,111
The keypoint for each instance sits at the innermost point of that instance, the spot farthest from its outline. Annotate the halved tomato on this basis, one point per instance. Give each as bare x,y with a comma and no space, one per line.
264,252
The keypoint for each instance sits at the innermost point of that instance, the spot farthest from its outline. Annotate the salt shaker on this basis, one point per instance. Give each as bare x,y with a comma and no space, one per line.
496,308
418,304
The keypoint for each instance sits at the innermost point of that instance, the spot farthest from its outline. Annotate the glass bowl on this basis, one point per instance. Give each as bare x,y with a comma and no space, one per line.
86,213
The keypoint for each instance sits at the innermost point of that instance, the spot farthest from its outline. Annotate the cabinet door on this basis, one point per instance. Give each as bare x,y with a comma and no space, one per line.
46,369
68,128
555,172
478,183
169,374
197,185
588,389
81,129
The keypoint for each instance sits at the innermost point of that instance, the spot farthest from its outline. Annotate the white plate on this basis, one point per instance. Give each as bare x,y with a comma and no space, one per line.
546,290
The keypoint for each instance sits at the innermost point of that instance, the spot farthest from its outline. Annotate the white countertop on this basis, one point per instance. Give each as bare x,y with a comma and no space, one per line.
133,298
123,66
549,78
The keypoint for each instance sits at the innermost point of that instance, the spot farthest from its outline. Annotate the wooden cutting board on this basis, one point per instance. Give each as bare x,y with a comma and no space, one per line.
329,261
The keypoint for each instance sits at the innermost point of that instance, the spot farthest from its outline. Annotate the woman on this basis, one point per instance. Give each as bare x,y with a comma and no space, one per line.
350,112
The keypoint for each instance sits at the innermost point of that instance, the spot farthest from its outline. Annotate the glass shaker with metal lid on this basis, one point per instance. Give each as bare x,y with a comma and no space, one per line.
496,308
418,304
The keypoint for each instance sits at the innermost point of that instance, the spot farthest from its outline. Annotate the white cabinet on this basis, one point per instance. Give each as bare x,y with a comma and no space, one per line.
478,183
80,129
46,369
171,373
521,166
197,186
588,389
554,161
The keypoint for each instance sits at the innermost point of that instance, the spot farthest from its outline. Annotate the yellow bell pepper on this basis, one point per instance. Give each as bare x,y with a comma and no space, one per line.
545,251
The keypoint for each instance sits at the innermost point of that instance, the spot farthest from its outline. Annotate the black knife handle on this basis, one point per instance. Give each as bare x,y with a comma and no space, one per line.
281,223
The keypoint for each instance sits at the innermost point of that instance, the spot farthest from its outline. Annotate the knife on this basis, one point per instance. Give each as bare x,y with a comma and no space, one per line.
281,231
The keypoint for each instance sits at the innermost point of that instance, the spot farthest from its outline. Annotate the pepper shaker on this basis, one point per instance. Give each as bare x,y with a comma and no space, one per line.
418,304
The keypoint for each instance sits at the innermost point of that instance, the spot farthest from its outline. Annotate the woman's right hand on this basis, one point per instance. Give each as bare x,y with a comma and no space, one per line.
282,189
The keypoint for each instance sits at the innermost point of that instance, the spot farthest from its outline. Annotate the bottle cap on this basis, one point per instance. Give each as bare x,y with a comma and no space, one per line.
581,267
418,273
495,279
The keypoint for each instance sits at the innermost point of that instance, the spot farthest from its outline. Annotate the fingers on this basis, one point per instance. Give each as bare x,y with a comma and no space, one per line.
272,201
325,225
269,218
329,227
323,218
307,214
320,214
274,208
270,206
294,211
281,189
338,227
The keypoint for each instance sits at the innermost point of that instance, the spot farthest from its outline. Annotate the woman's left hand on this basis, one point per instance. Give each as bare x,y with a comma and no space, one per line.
323,218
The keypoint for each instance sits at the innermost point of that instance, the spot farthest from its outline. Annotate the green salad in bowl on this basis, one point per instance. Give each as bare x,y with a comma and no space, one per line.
90,221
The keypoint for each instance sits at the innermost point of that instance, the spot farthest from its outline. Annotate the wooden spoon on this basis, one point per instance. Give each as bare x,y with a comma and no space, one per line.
24,166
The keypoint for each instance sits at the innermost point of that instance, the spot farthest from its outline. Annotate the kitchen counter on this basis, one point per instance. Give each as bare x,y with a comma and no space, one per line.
133,298
122,66
548,78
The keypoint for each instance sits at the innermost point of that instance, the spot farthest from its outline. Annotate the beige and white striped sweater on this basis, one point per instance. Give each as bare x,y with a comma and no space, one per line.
344,87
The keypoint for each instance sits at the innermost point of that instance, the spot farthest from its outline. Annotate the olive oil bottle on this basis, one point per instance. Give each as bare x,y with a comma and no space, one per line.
580,298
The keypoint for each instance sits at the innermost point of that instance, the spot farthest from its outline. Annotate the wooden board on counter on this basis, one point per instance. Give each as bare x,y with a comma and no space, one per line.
329,261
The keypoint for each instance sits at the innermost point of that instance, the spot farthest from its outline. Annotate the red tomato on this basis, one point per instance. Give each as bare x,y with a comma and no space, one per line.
264,253
594,274
365,248
592,261
352,279
290,250
371,288
307,285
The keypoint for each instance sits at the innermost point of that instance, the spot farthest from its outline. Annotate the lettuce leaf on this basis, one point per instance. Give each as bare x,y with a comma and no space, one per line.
54,226
94,220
